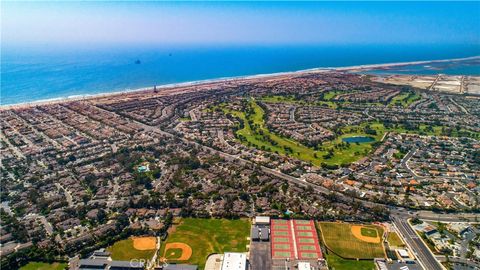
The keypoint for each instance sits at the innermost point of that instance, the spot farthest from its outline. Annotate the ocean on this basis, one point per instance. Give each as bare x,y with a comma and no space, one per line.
34,74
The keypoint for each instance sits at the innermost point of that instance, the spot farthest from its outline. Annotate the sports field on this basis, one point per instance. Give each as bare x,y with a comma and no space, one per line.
338,263
44,266
133,248
202,237
352,241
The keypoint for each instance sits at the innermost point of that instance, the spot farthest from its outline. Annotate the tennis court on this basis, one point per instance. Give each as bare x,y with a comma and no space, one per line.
294,239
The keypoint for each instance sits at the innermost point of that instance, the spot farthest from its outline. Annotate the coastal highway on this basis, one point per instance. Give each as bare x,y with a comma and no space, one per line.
421,251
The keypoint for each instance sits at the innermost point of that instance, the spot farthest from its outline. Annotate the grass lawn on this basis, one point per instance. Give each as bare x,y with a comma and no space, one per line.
339,239
394,240
123,250
331,94
338,263
207,236
370,232
44,266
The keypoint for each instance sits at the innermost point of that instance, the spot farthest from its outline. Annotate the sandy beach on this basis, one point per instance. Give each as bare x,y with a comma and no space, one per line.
166,88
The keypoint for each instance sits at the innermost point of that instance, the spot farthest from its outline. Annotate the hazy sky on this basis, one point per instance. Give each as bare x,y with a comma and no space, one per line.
267,23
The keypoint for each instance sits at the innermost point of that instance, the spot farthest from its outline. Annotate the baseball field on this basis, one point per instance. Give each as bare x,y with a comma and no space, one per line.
353,241
191,240
133,248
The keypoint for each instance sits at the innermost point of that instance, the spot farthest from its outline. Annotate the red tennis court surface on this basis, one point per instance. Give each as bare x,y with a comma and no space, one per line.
294,239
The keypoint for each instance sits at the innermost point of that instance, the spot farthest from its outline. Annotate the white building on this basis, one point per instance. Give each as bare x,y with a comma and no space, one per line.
234,261
304,266
262,220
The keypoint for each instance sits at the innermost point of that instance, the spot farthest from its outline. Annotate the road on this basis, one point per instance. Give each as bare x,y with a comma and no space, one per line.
437,217
421,251
68,196
404,163
472,264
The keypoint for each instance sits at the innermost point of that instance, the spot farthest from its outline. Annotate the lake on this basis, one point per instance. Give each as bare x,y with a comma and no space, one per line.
358,139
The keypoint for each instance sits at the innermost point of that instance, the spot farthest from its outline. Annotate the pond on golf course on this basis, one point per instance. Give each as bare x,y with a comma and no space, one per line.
358,139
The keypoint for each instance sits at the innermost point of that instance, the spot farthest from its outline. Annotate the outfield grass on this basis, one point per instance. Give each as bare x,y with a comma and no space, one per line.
339,239
394,240
123,250
338,263
207,236
44,266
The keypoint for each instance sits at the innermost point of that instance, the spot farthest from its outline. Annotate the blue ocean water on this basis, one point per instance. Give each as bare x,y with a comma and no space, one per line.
32,74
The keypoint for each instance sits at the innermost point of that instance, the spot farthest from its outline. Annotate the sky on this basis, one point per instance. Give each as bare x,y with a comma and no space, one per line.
238,23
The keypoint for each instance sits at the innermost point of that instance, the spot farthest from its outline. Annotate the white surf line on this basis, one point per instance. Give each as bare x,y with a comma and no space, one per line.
224,79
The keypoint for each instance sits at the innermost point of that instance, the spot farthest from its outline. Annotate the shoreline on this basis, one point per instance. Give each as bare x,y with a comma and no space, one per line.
356,68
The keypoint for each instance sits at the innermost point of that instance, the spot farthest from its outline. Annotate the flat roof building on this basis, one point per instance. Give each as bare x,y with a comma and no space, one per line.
262,220
255,233
234,261
88,264
304,266
180,267
403,253
126,265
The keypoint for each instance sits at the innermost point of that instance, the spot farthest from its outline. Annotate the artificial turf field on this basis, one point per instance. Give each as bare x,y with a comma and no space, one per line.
44,266
338,238
123,250
207,236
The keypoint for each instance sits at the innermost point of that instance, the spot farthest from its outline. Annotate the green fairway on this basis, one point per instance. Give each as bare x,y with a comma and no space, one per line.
339,239
207,236
404,99
44,266
123,250
338,263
